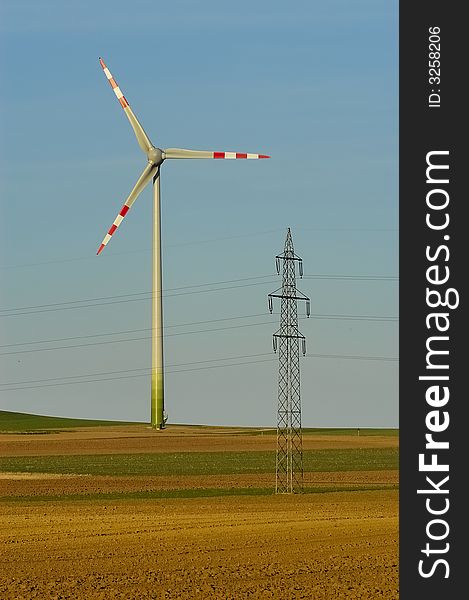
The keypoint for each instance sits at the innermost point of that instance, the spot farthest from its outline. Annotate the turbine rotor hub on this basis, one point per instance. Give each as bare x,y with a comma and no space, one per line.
155,156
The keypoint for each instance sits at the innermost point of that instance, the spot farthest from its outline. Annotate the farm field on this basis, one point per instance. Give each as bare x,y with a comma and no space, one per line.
109,511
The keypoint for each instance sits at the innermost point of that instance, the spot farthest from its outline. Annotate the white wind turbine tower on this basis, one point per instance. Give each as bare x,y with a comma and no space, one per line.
155,158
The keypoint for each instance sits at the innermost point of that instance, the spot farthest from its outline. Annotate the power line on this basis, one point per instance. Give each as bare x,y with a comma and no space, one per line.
197,242
135,339
354,277
124,298
184,287
392,229
143,250
80,337
34,312
123,332
327,356
146,369
133,294
133,376
354,357
353,317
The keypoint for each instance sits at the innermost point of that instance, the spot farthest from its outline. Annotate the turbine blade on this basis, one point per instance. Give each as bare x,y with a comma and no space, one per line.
149,172
182,153
142,138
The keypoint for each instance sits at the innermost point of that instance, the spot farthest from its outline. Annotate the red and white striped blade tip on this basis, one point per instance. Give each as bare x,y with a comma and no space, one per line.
238,155
117,221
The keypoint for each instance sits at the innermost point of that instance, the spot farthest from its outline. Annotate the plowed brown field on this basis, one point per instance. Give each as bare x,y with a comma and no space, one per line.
49,484
315,546
139,439
312,546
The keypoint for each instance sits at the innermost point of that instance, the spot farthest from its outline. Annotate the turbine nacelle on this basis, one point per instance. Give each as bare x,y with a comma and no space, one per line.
155,156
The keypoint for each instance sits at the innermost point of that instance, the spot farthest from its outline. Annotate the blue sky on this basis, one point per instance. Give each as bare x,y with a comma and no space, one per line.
314,85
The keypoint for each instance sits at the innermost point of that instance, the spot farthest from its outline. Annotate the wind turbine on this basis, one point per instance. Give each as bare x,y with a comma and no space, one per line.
155,158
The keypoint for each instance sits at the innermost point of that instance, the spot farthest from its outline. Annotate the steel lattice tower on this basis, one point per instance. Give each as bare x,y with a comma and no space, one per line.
289,462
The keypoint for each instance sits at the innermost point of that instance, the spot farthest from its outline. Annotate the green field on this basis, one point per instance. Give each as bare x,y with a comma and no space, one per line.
368,431
24,422
201,463
194,493
190,463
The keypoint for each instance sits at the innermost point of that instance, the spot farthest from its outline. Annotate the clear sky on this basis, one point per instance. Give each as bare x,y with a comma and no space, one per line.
311,83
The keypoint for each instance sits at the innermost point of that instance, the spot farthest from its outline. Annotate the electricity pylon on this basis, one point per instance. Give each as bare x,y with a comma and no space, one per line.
289,461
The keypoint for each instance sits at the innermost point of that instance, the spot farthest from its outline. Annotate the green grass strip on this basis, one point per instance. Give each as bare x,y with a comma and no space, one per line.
201,463
24,422
28,423
189,493
356,432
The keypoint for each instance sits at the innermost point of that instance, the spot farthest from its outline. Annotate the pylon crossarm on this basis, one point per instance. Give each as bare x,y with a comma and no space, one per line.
283,256
290,296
